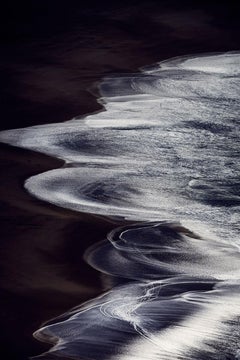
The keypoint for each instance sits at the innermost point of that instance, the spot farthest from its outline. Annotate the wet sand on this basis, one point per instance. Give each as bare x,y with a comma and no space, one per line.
46,78
43,273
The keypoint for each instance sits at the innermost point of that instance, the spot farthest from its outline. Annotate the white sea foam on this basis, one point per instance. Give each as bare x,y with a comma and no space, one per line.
173,310
165,148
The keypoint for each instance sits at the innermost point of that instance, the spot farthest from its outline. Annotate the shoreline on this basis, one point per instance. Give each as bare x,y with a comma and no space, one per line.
46,79
43,271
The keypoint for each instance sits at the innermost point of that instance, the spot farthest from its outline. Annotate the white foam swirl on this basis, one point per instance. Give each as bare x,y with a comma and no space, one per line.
166,147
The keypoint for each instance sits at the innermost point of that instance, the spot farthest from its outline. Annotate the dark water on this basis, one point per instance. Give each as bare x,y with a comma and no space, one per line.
166,151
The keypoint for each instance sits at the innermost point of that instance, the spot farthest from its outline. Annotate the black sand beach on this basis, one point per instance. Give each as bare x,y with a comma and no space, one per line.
52,56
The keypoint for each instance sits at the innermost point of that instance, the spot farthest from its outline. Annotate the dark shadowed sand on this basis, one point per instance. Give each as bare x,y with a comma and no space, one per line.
52,56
